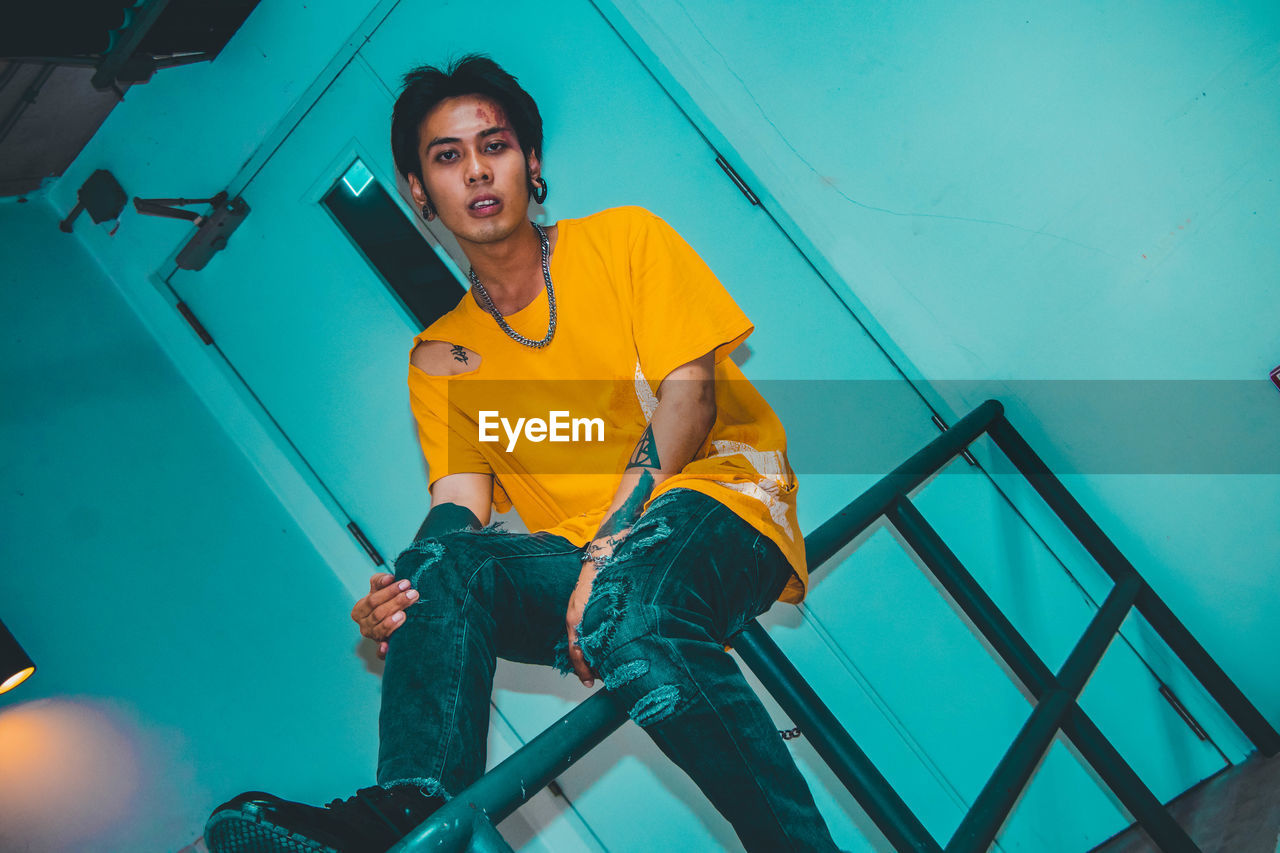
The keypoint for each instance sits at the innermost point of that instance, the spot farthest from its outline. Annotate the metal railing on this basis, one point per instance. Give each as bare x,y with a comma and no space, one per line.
466,822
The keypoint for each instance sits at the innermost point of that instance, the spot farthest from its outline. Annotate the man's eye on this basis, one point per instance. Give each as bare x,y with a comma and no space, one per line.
446,156
496,146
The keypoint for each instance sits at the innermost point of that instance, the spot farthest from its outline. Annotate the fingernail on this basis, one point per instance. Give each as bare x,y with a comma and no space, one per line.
411,594
398,617
588,682
404,584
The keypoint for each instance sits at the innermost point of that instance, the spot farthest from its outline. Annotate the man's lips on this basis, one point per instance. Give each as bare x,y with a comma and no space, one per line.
484,205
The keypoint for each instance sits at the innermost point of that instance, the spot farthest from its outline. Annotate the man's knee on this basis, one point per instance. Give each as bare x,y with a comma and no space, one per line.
439,558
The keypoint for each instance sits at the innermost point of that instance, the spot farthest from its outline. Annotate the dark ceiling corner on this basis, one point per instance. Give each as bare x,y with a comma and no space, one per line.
65,64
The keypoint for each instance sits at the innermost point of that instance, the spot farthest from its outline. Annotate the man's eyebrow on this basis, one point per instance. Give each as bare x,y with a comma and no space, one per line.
450,140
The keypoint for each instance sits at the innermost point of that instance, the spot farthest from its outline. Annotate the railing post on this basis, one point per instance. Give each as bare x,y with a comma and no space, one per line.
1028,668
990,810
1153,609
873,792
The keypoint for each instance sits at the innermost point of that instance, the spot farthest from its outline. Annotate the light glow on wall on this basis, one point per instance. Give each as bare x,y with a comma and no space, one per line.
357,178
70,774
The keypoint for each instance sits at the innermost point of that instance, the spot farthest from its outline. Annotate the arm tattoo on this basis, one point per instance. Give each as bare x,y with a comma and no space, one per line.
459,353
646,453
624,515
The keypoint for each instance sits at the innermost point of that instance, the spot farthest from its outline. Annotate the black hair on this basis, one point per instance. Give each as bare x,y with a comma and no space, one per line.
473,74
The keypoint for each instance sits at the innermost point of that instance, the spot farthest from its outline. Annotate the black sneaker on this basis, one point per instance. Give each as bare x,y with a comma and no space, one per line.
370,822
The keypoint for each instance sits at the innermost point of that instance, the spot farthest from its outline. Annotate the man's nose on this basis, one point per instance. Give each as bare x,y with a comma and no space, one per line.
476,170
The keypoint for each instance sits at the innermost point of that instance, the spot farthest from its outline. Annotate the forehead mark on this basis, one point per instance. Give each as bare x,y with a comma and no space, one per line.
491,112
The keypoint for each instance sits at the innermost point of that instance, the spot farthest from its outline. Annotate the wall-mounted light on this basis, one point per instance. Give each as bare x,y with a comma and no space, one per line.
15,666
357,178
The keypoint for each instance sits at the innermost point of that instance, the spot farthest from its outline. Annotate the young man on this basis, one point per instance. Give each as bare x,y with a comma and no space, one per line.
659,530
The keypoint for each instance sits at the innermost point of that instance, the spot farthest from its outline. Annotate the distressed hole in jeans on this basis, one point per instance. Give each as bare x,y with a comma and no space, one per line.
647,533
496,527
427,785
429,549
663,499
628,672
608,595
656,705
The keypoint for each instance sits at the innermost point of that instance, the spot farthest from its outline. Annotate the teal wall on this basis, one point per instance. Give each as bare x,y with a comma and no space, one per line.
153,577
174,572
1012,192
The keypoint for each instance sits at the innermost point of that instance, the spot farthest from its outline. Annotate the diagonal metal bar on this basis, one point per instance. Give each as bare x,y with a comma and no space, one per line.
1028,668
502,790
839,530
990,810
1154,610
873,792
969,596
1126,784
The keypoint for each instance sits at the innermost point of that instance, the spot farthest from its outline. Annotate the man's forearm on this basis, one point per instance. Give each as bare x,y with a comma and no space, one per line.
680,425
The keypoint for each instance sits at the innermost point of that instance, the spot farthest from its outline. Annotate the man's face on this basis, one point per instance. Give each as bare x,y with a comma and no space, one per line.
473,169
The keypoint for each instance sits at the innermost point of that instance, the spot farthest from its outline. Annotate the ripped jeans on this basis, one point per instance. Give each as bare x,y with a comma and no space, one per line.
690,575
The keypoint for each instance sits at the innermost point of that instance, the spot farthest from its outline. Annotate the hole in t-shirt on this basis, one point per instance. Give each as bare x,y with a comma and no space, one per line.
442,358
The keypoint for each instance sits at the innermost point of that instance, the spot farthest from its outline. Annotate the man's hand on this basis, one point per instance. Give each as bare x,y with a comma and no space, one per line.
577,605
381,611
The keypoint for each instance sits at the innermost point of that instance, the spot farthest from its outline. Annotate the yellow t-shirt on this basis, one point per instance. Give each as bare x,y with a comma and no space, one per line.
633,302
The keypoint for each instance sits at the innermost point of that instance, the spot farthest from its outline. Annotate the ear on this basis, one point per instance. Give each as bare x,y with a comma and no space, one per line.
534,165
420,197
416,190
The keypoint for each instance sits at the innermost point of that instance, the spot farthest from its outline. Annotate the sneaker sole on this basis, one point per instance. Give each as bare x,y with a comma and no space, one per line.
246,830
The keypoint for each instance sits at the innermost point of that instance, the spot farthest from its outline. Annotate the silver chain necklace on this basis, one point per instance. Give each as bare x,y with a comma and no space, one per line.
488,305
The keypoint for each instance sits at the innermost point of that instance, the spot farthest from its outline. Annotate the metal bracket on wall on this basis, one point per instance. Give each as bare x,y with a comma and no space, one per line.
1182,712
737,180
942,427
194,323
139,19
366,544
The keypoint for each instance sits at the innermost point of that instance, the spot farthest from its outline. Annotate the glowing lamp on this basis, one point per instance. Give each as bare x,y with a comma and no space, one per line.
15,666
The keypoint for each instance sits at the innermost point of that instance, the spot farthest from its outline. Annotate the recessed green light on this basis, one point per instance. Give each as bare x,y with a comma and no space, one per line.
357,178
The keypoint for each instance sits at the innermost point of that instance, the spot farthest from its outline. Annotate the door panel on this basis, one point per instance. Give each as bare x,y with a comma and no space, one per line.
311,328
